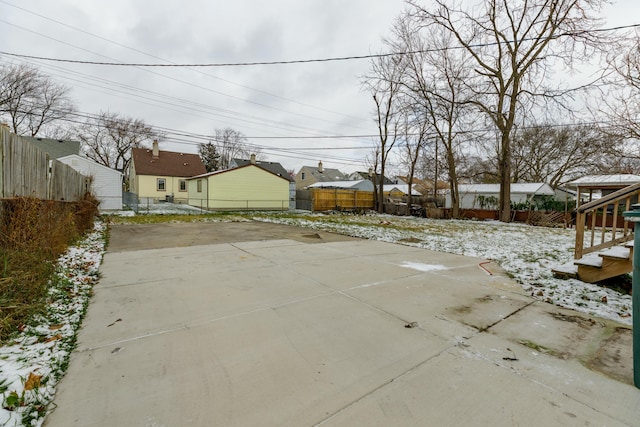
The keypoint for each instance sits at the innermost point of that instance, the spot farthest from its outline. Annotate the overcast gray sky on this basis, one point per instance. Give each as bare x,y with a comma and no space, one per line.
263,102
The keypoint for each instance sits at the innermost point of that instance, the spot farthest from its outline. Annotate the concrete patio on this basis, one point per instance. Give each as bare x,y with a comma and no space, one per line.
315,330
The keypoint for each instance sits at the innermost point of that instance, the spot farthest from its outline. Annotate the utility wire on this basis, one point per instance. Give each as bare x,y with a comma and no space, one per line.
188,83
166,60
295,61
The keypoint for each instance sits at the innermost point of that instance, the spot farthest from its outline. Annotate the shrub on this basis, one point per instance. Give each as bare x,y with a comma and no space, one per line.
33,234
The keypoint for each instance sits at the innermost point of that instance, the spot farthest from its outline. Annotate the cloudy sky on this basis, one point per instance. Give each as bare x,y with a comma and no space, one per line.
277,106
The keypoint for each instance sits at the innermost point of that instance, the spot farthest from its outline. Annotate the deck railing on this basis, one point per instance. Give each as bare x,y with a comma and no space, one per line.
595,215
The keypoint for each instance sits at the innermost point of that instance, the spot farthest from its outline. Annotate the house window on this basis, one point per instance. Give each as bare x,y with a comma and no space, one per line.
183,184
162,184
303,175
199,186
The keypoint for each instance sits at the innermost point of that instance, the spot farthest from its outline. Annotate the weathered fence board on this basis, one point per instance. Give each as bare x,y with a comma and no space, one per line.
66,183
325,199
26,171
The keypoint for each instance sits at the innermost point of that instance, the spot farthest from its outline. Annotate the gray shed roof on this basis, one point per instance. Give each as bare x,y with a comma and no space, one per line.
273,167
327,174
56,148
619,180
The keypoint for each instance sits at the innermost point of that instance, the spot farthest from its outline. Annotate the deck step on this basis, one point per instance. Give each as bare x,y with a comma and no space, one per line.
594,261
565,271
599,266
618,252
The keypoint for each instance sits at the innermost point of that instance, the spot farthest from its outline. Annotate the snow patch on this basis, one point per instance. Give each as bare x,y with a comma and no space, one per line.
423,267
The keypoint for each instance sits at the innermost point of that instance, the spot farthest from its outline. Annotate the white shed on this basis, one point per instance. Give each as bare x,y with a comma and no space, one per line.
106,183
478,196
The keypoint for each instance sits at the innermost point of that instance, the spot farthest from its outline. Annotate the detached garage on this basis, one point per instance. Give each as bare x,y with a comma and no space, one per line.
106,183
248,187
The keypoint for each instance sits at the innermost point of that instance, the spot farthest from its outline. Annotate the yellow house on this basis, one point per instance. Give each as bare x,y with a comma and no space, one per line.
156,175
247,187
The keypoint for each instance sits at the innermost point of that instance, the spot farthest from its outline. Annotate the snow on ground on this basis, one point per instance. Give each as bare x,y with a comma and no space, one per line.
525,252
166,208
33,363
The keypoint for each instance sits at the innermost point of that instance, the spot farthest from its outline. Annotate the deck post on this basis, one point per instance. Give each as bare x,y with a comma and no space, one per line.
634,216
580,220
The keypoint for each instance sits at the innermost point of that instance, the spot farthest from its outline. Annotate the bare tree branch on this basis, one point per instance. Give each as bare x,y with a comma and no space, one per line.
31,100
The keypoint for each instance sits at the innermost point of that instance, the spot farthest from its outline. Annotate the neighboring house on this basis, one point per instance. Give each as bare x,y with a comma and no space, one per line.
478,196
374,178
309,175
273,167
400,190
156,175
361,185
595,186
566,195
55,148
424,186
247,187
106,183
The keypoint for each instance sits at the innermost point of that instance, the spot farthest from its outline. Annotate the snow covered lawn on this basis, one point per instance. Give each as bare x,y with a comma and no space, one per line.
525,252
32,365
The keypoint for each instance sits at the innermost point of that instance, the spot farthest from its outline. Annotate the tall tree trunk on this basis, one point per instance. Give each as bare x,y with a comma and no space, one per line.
505,178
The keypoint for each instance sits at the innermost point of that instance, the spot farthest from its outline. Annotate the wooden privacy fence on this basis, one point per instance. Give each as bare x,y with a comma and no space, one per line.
326,199
26,171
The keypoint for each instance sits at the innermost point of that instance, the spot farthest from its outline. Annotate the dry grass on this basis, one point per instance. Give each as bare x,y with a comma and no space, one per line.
33,234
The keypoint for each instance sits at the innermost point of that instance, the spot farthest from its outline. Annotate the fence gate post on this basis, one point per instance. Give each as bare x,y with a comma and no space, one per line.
634,216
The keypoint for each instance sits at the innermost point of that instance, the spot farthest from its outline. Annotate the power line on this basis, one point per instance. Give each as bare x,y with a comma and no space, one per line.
166,60
188,83
295,61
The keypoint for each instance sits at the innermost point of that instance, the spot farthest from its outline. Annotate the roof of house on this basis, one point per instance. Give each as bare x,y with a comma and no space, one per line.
425,184
371,177
363,184
208,174
56,148
619,180
273,167
537,188
168,163
403,188
93,163
327,174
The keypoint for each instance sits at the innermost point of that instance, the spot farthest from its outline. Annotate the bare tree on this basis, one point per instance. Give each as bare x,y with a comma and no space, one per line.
415,131
31,100
620,105
512,44
435,80
230,144
558,154
384,84
109,137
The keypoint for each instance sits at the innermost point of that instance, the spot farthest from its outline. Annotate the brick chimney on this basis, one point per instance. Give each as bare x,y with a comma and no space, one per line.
253,159
156,152
320,167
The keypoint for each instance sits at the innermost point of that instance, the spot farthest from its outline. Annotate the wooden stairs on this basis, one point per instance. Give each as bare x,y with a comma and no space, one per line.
595,267
611,254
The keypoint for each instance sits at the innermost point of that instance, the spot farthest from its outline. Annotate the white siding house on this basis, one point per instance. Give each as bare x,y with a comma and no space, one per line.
476,196
106,183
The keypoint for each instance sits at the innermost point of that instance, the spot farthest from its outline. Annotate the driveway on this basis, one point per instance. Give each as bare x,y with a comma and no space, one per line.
241,324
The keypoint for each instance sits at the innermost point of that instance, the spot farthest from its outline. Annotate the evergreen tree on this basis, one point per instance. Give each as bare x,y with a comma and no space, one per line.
210,156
